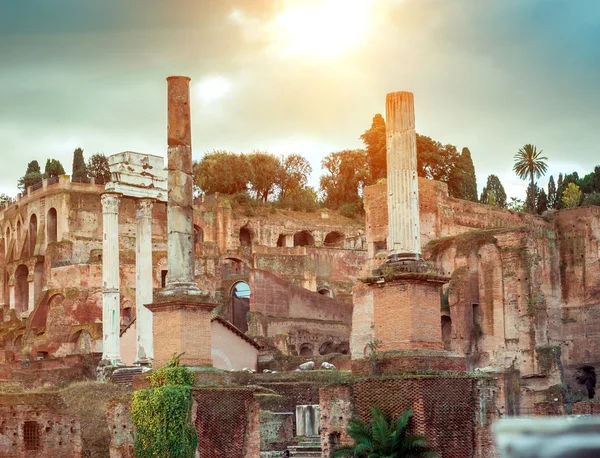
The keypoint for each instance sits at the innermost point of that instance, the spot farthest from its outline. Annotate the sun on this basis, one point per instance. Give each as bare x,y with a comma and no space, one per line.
325,28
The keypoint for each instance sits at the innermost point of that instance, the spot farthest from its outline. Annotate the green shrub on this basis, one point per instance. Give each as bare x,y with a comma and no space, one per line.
350,210
171,376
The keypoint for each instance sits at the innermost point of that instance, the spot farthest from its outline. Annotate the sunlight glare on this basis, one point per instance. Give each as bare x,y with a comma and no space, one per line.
325,28
213,88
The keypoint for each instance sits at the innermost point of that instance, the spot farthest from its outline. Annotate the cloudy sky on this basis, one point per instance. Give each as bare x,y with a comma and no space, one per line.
300,76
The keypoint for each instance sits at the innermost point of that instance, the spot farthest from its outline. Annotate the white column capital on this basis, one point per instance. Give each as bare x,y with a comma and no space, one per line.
143,208
110,202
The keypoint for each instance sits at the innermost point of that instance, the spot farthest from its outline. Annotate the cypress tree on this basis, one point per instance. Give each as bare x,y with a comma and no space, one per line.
79,168
53,168
469,183
559,190
531,198
33,175
542,202
551,192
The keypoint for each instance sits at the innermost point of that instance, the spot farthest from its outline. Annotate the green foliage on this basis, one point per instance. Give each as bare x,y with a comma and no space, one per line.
542,202
79,168
591,199
351,210
493,193
462,182
345,177
162,415
571,196
531,198
223,172
516,205
300,199
375,142
293,175
266,168
98,168
6,199
529,163
33,175
53,168
551,192
384,438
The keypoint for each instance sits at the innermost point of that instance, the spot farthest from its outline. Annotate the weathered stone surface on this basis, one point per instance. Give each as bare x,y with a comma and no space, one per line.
308,366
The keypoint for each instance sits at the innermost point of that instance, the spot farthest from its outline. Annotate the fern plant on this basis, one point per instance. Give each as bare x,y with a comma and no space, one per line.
382,438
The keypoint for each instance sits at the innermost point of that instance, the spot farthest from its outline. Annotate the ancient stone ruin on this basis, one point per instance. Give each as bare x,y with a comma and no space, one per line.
293,323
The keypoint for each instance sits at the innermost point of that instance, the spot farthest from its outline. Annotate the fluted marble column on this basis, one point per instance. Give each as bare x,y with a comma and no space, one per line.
402,182
180,210
143,285
111,298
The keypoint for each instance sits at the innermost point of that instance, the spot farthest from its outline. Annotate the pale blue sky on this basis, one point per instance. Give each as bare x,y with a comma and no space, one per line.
488,74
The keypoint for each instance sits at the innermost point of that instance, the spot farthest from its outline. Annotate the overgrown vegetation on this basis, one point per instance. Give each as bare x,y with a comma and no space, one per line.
162,415
384,437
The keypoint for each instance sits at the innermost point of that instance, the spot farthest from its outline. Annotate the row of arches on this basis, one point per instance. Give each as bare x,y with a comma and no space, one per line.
51,231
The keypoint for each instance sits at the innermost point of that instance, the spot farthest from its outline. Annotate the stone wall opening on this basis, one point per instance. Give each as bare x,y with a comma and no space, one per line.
163,278
32,234
334,239
303,238
325,292
6,290
306,349
198,238
246,236
586,376
7,240
38,276
31,435
18,237
21,289
240,305
447,332
52,225
335,442
281,240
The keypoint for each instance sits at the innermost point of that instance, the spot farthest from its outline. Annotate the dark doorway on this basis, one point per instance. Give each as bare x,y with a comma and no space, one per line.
240,305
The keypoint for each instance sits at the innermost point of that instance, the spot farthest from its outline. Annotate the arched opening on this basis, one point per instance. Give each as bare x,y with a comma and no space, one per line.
21,289
447,332
240,305
18,236
335,442
126,315
18,343
306,349
281,240
32,234
82,341
198,238
6,290
7,240
52,226
328,347
38,275
325,292
303,238
245,236
334,239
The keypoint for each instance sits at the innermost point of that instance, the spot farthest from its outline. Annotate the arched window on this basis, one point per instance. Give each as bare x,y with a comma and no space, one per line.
7,240
198,238
240,305
306,349
52,226
38,275
32,234
21,289
303,238
325,292
334,239
18,236
281,240
6,290
245,236
447,332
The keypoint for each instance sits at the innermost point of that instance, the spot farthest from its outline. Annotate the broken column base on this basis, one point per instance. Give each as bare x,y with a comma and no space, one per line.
181,324
409,361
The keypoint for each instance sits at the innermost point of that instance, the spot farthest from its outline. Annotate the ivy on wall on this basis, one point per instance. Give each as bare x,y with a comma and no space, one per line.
162,415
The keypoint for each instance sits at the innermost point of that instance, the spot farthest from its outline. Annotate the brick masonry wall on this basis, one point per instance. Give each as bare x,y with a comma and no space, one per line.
182,330
122,438
227,421
407,315
443,408
59,432
337,407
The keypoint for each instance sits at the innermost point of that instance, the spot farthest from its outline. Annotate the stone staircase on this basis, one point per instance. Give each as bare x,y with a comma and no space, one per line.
307,447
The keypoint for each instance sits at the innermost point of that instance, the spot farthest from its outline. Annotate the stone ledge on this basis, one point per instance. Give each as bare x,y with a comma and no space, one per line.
406,269
397,362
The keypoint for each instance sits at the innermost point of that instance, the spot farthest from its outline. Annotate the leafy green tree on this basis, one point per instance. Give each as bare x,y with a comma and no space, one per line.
53,168
589,199
596,179
266,168
79,172
345,177
434,160
551,192
6,199
531,198
542,202
586,184
301,199
33,175
559,189
493,193
98,168
375,141
516,205
384,438
563,185
223,172
529,163
462,182
571,196
293,176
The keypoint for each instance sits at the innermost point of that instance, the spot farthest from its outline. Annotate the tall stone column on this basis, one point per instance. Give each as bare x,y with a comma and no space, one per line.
404,237
181,313
111,297
143,285
180,205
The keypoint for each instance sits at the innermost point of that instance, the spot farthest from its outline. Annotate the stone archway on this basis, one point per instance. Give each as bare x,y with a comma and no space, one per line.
21,289
240,304
52,226
303,238
33,229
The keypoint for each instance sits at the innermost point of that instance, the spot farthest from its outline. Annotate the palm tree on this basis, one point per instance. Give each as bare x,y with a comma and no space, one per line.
530,164
384,439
